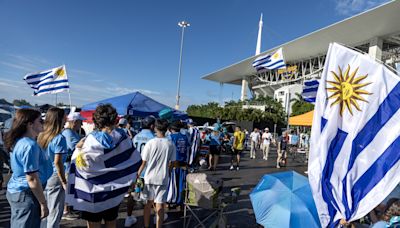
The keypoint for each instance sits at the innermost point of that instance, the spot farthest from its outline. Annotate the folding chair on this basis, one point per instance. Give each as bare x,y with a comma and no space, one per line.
303,154
202,191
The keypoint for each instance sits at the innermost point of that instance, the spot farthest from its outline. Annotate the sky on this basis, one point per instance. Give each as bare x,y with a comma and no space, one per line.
115,47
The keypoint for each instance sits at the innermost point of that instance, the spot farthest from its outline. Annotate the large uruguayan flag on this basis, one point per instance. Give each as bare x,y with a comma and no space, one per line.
354,157
310,89
49,81
100,175
270,61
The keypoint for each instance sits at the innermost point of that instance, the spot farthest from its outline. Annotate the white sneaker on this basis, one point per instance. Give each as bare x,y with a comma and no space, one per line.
278,167
165,218
231,168
130,220
237,168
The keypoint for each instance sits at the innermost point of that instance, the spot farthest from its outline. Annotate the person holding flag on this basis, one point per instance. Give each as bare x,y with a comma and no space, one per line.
102,170
354,160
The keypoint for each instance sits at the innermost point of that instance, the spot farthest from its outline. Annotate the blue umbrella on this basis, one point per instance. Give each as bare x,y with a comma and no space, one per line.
284,199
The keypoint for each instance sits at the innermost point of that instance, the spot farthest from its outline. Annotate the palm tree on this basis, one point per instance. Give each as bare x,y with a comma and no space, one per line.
300,106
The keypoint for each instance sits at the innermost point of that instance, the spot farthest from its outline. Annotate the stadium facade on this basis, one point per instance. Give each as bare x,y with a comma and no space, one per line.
376,32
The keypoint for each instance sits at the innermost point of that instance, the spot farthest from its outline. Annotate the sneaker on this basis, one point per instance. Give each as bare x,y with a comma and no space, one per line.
130,220
155,218
278,167
237,168
70,216
231,168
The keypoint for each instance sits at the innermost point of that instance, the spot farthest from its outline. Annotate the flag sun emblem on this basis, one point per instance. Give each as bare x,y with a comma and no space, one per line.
60,72
347,89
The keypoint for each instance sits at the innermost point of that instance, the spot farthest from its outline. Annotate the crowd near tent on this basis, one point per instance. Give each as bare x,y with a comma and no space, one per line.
133,104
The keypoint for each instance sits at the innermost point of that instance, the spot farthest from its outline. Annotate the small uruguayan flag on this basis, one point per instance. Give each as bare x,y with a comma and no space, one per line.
50,81
102,172
310,89
354,156
270,61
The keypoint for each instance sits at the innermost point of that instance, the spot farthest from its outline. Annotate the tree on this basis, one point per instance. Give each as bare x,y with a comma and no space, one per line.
4,102
21,102
60,104
300,106
233,110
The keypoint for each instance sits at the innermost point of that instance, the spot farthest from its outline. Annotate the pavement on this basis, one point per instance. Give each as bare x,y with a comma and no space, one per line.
239,214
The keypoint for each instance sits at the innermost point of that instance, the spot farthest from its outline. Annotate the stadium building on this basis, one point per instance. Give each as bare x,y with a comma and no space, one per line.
376,32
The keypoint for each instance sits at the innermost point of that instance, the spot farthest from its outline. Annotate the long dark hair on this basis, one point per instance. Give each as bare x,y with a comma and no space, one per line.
20,125
53,125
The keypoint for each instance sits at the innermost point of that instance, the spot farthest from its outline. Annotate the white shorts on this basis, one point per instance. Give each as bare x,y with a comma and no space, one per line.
158,193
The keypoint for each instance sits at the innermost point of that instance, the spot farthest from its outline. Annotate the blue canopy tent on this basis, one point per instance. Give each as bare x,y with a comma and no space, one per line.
134,104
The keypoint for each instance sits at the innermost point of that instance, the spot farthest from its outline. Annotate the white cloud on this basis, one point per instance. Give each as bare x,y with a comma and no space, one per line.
351,7
19,66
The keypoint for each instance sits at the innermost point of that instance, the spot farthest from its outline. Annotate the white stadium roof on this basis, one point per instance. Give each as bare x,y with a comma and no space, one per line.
381,21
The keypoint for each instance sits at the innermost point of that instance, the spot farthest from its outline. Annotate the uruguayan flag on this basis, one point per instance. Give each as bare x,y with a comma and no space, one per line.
270,61
354,157
101,175
50,81
310,89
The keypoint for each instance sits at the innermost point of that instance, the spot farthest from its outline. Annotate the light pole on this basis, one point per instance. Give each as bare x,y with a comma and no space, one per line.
183,25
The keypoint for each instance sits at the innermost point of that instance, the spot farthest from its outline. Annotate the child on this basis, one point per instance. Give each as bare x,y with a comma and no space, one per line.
157,154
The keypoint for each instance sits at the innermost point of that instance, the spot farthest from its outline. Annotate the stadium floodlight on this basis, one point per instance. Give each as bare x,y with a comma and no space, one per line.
183,25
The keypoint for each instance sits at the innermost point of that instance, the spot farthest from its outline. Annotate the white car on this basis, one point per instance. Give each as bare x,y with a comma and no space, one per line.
203,128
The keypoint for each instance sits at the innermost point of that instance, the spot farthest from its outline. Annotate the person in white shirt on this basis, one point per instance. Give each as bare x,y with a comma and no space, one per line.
157,154
255,140
266,141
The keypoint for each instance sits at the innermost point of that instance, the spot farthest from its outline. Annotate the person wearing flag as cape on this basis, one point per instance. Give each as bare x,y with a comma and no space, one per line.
102,170
354,160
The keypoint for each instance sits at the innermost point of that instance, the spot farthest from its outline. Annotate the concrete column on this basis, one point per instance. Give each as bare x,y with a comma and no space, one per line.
375,48
245,85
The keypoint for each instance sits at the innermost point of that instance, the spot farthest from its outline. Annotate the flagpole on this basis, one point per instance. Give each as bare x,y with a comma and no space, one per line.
70,103
69,94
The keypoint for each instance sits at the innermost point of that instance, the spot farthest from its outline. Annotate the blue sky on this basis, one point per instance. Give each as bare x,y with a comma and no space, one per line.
116,47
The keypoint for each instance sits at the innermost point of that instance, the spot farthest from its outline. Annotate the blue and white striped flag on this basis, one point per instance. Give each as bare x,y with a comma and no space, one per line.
100,175
310,89
355,140
270,61
50,81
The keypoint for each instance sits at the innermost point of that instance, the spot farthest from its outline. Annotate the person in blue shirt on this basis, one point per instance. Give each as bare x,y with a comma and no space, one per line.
181,142
215,148
140,141
31,169
71,134
179,170
72,137
55,145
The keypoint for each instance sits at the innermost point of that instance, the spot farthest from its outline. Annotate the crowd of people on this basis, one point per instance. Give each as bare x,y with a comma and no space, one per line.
58,173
